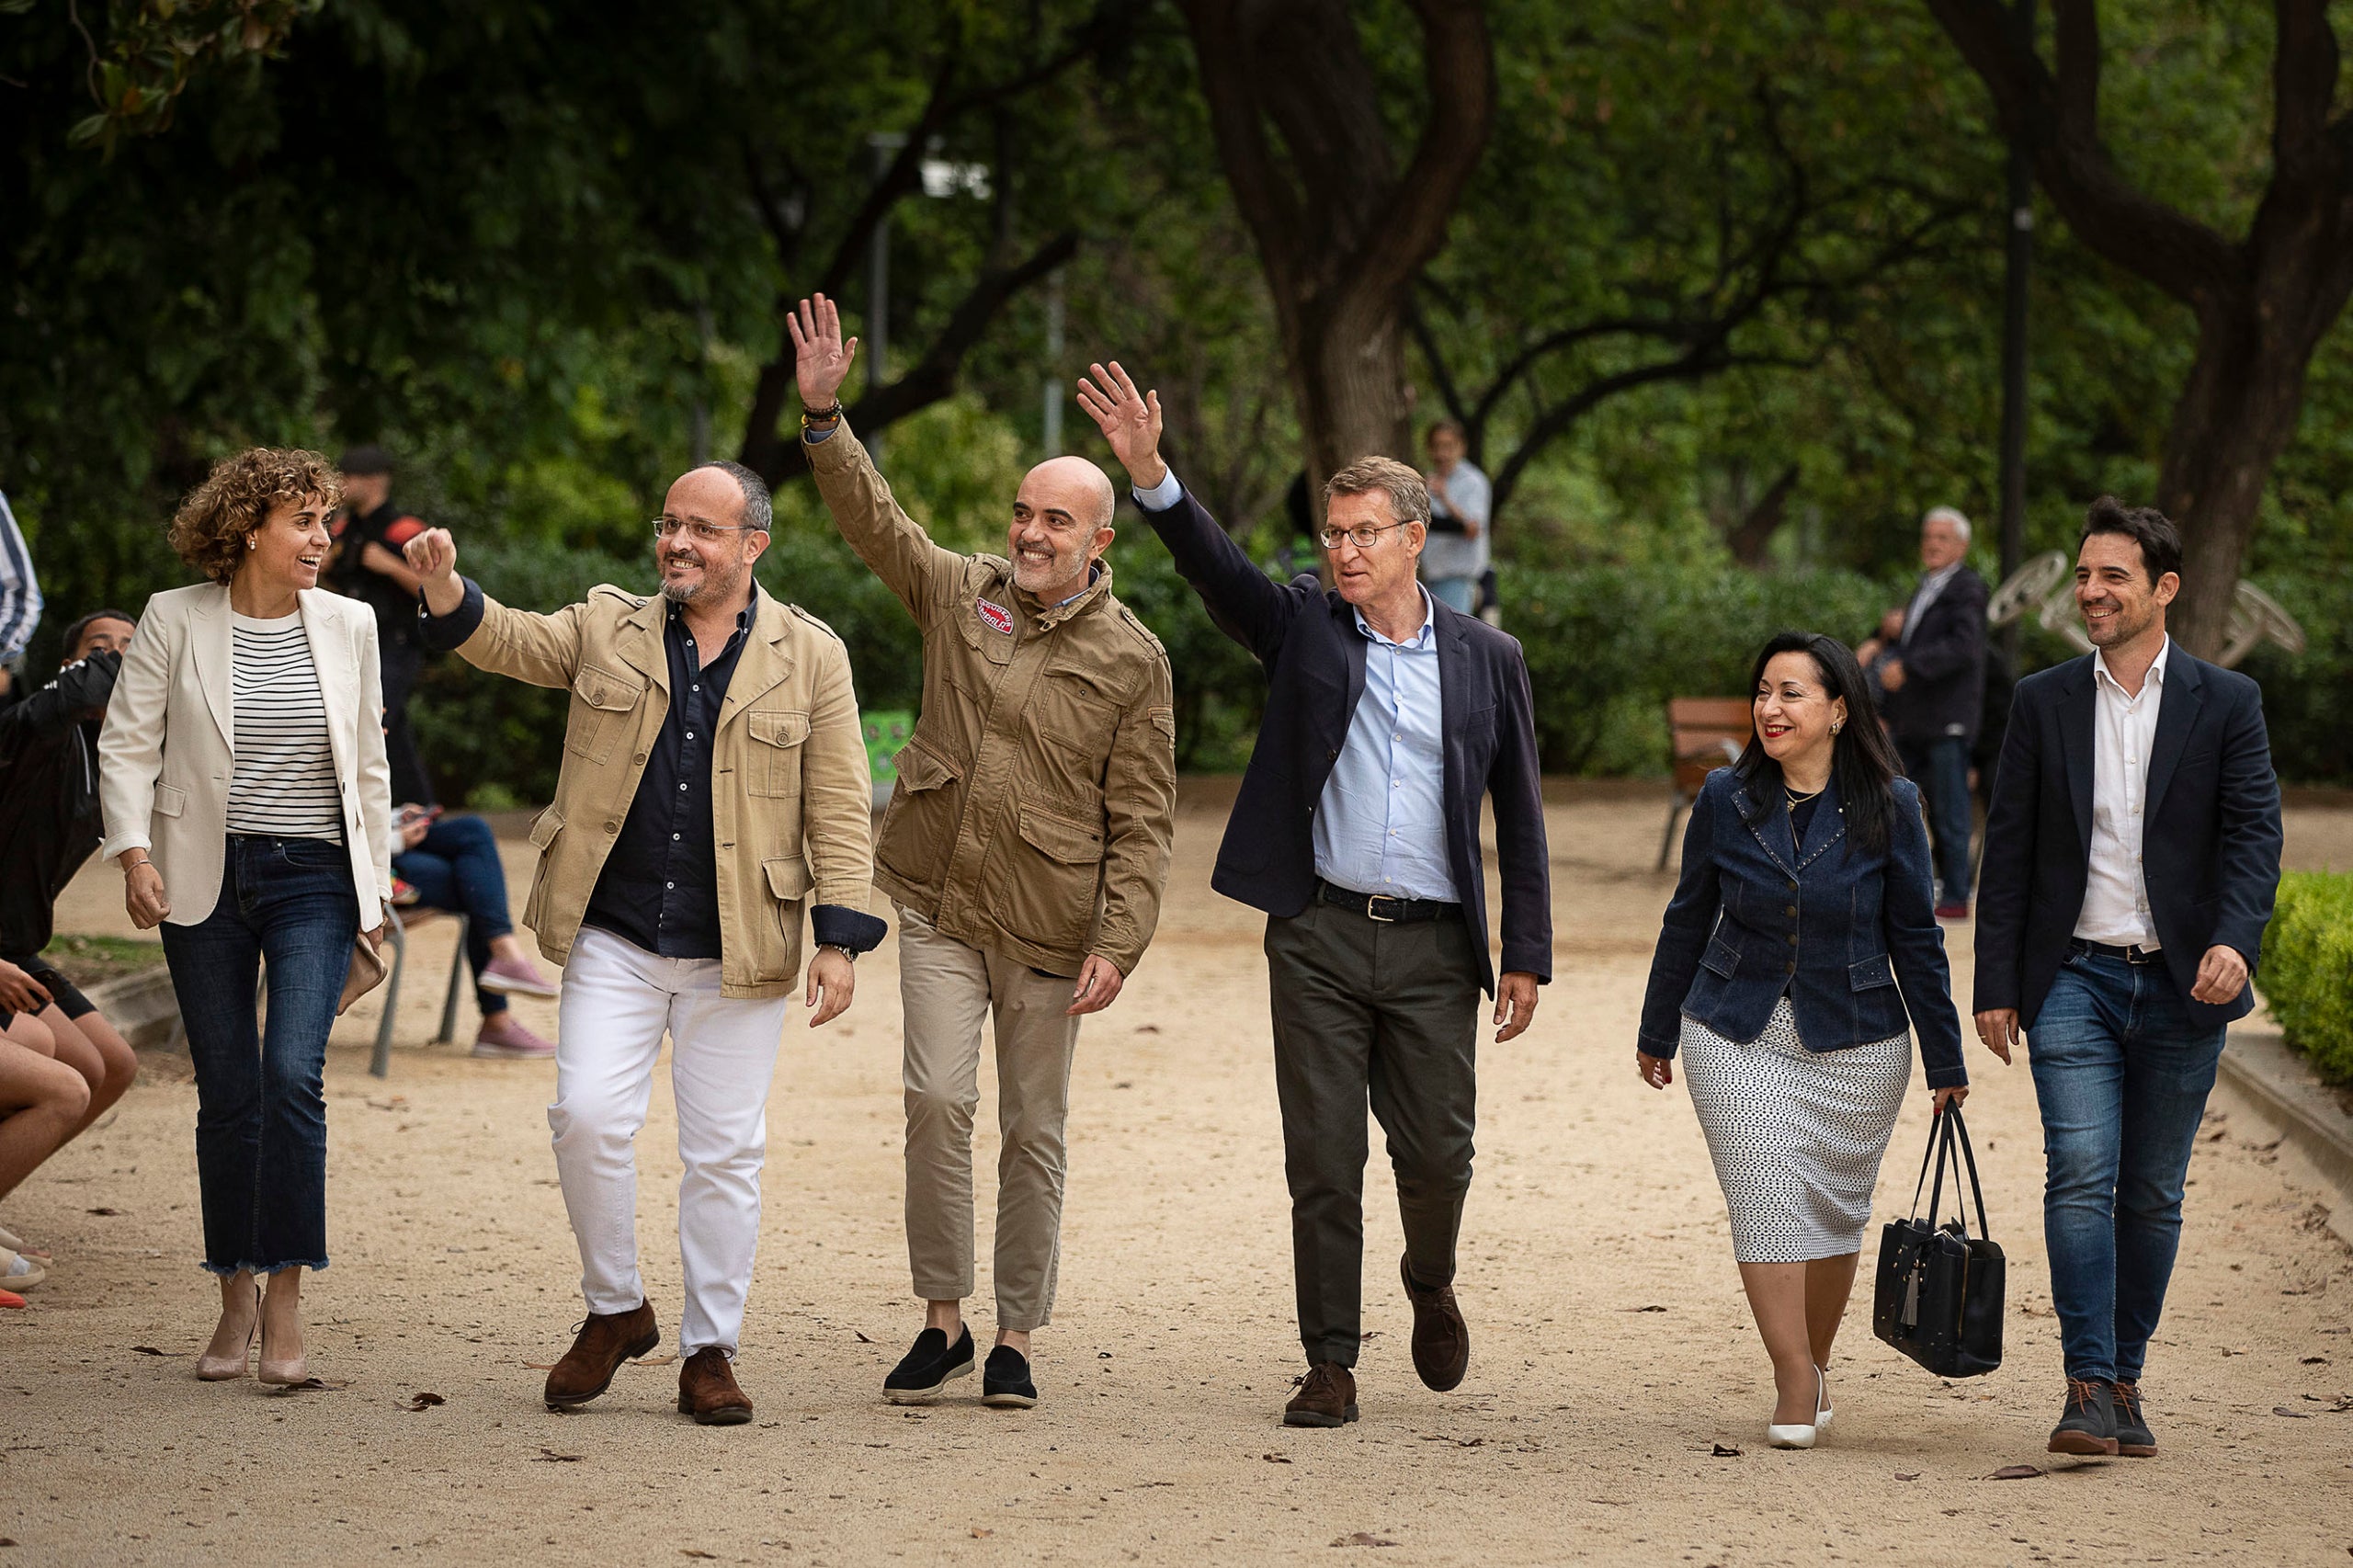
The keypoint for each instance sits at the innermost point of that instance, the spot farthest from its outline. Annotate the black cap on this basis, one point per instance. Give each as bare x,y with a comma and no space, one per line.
366,462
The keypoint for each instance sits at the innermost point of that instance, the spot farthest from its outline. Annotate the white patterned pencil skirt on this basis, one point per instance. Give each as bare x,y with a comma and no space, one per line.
1796,1134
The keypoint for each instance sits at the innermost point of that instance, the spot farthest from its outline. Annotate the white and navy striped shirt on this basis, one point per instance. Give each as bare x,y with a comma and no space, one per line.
284,786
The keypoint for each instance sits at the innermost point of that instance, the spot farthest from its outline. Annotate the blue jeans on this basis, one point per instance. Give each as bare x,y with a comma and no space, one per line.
455,866
1940,767
261,1109
2121,1075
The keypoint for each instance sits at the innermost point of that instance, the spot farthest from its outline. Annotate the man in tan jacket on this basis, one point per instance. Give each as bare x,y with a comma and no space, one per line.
713,775
1025,846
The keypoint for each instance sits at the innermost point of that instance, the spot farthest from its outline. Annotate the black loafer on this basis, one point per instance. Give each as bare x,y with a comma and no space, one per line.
1004,1381
2087,1425
2133,1438
929,1367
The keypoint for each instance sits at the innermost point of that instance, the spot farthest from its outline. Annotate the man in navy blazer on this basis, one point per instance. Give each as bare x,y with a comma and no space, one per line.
2132,853
1356,830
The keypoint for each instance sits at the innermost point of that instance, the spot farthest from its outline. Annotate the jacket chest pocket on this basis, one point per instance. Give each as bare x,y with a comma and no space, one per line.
1079,714
773,765
604,710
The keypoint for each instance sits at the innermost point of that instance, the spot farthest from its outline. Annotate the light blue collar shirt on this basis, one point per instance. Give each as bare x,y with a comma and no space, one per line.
1381,824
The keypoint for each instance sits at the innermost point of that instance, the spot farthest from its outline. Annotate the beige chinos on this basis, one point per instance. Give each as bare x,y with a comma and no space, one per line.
947,988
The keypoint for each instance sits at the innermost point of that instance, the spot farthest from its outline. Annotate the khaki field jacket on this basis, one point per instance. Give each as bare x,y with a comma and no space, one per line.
1034,809
791,798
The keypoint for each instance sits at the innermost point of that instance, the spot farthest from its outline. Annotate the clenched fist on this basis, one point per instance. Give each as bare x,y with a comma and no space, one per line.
433,555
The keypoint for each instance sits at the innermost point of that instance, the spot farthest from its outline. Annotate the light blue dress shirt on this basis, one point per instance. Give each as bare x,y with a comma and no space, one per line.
1381,824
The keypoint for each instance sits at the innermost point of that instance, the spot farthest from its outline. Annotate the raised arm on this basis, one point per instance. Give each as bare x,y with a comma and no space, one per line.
542,650
894,547
1247,606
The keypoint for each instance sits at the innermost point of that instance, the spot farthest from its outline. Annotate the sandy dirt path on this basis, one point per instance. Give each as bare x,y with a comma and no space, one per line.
1612,1353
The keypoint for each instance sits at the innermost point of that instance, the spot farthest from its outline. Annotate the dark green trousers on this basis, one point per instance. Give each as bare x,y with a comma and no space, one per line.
1370,1012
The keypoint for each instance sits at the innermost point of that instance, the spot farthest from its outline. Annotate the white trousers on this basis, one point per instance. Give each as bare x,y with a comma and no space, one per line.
618,1000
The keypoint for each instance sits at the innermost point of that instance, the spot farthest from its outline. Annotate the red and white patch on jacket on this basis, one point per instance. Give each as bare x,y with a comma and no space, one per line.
996,615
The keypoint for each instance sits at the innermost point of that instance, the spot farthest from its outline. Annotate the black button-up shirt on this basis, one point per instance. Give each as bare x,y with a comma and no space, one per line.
660,886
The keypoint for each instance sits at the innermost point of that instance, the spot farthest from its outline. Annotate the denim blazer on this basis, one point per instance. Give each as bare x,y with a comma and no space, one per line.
1849,935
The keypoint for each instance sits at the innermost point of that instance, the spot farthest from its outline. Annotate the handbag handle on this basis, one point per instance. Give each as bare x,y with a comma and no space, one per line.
1960,1132
1939,1140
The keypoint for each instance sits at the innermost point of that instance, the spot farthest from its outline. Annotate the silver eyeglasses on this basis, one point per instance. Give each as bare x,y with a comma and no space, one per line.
1364,536
703,533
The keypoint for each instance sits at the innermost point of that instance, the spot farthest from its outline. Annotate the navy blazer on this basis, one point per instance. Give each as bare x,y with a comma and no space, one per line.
1841,929
1944,666
1305,635
2209,832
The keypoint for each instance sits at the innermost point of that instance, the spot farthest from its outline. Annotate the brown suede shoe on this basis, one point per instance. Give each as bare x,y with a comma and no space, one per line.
707,1389
1326,1397
605,1342
1441,1339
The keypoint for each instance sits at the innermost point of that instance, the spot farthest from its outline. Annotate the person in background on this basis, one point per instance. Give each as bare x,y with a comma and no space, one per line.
1799,953
1873,653
1454,559
1050,738
246,799
1356,831
2132,856
20,599
369,534
452,863
50,823
1934,681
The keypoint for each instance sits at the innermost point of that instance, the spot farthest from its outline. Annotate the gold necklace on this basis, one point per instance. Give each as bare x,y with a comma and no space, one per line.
1797,800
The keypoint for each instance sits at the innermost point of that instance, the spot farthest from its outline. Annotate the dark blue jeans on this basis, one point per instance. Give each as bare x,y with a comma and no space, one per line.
2122,1075
1940,767
455,866
261,1109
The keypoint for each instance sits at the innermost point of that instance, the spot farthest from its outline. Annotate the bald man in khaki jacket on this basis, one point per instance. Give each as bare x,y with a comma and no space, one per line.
1025,847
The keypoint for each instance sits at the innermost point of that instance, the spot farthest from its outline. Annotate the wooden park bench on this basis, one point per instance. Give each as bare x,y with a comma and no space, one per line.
1706,733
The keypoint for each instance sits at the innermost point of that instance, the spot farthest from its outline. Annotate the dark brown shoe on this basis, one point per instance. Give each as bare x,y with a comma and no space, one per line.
707,1389
1441,1339
1326,1397
605,1342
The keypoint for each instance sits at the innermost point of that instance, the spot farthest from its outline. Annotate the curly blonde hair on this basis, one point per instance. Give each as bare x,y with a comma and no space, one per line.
210,528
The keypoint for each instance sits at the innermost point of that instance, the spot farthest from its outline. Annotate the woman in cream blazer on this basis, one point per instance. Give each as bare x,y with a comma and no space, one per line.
248,804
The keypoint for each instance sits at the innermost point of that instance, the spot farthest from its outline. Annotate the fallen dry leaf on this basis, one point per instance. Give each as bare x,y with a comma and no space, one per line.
2309,1360
1147,1028
2291,1415
425,1401
861,1337
1907,1476
691,1552
108,1212
1723,1451
1362,1539
1648,1309
980,1534
2017,1472
549,1456
1276,1458
316,1385
151,1350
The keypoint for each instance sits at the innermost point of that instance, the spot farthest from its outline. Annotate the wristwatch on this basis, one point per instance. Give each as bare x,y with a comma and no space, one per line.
836,947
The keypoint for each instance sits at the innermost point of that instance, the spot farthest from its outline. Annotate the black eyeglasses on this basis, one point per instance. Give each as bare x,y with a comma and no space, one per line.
703,533
1364,536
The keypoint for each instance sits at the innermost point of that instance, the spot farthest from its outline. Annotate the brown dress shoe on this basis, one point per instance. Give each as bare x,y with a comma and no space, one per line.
1326,1397
605,1341
1441,1339
707,1389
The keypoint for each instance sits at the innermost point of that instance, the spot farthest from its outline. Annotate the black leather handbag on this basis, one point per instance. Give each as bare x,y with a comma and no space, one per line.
1937,1296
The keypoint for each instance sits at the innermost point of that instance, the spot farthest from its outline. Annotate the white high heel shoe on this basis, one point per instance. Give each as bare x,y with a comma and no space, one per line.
1797,1435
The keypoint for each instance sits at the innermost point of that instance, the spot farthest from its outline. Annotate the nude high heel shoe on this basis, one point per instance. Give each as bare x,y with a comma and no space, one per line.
1797,1435
227,1368
283,1371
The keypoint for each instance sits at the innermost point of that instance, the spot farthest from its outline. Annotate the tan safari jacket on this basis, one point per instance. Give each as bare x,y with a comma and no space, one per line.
1035,803
792,797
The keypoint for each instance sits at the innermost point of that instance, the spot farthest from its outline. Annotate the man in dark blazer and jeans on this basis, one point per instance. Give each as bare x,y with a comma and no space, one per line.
1356,830
2132,853
1935,676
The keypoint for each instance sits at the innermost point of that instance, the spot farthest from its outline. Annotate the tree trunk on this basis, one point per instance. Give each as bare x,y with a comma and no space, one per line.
1340,233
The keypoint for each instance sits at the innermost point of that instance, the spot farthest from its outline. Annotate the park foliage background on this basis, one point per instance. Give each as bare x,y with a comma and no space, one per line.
1717,291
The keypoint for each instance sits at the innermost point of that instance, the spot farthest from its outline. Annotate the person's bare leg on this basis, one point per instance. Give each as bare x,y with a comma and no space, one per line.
1016,1337
91,1048
509,948
42,1098
1777,1295
945,1316
240,1302
281,1320
1829,1282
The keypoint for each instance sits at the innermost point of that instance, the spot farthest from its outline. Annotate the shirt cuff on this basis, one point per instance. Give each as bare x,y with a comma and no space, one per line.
810,435
838,926
443,633
1161,497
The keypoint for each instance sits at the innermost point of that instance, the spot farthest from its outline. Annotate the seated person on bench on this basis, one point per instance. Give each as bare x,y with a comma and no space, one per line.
452,863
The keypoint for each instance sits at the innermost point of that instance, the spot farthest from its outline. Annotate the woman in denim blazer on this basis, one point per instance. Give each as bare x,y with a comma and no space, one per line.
1799,953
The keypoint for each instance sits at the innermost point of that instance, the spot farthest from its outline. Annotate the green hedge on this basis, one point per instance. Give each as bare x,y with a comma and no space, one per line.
2307,972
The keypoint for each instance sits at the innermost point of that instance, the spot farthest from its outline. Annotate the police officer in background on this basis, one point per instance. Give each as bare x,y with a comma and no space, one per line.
368,565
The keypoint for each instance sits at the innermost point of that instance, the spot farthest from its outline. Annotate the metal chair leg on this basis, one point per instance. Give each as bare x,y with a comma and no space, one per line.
1667,839
457,978
380,1065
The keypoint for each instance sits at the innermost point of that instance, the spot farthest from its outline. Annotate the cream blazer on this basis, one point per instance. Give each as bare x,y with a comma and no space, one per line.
167,750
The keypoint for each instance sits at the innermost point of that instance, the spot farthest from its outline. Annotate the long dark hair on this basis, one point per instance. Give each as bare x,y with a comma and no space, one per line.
1861,760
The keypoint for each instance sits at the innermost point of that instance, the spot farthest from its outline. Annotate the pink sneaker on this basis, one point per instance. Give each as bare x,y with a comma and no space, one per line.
503,1038
517,979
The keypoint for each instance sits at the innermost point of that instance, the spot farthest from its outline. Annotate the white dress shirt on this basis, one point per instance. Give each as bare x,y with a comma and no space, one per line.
2124,728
